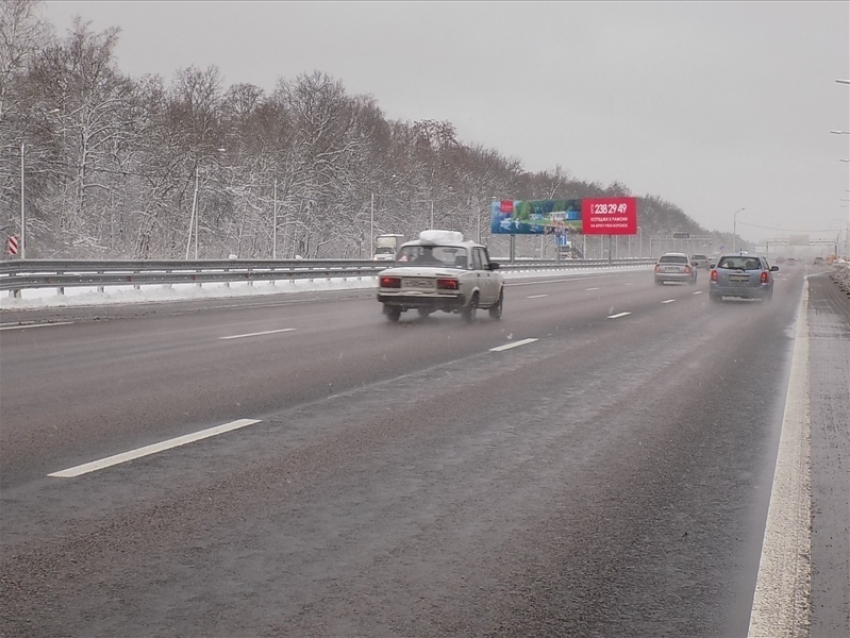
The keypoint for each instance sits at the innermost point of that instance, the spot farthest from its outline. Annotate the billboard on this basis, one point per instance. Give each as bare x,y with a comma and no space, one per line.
596,216
609,216
535,217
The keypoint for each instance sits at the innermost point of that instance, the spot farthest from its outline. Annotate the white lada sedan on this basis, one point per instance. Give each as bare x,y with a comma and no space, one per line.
441,271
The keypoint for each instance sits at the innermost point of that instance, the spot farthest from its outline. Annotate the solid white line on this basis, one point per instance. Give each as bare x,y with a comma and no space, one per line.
780,602
258,334
537,296
37,325
516,344
669,301
622,314
593,288
152,449
698,292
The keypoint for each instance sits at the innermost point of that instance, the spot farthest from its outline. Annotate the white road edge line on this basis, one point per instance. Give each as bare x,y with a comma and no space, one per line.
259,334
515,344
780,602
152,449
37,325
669,301
622,314
537,296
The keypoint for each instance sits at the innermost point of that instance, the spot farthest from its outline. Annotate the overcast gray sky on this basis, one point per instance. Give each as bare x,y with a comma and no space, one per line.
713,106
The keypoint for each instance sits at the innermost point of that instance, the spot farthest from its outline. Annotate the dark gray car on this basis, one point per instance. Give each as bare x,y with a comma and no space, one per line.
741,276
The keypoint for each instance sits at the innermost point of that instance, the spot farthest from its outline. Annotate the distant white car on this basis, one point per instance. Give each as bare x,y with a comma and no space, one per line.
441,271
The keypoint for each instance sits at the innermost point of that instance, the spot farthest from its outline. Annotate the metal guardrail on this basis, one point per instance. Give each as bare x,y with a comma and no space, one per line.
52,273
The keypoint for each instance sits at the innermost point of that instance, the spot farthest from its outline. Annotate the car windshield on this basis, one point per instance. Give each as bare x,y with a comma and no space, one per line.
384,319
437,256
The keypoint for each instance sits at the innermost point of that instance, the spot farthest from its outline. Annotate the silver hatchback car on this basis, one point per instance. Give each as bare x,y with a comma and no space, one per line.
742,276
676,267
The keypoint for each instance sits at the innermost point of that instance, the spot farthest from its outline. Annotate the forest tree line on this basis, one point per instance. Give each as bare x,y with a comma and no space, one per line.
115,166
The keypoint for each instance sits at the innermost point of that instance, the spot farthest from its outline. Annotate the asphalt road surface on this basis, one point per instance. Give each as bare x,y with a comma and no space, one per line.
608,476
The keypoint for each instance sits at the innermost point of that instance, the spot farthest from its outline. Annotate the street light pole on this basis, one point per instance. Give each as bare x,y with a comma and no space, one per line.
274,217
735,228
23,206
371,225
193,218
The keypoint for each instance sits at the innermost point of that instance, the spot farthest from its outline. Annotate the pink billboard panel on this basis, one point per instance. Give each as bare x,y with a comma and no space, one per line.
609,216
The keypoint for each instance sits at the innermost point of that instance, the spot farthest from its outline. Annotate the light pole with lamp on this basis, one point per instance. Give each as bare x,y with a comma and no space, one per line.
735,228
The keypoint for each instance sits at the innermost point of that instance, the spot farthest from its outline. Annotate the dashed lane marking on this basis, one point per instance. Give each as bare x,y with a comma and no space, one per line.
617,316
124,457
537,296
669,301
259,334
516,344
36,325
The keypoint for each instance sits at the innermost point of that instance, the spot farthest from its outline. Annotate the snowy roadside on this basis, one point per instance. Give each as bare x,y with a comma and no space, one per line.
89,296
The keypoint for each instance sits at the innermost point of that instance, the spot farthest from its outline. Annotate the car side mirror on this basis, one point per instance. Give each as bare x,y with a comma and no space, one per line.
774,268
713,266
494,265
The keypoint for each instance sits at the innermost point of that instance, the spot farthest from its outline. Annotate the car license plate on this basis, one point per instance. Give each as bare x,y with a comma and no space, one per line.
418,283
739,278
671,269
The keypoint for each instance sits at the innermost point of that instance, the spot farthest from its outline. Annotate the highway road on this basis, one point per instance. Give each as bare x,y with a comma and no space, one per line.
597,463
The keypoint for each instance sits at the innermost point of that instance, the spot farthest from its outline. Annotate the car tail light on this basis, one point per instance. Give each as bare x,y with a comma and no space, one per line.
764,277
713,275
390,282
447,284
658,269
687,269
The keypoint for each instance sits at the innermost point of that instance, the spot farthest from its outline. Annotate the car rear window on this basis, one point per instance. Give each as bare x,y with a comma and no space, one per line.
673,259
740,263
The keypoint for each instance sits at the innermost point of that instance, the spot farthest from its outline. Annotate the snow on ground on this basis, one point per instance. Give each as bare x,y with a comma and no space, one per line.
89,296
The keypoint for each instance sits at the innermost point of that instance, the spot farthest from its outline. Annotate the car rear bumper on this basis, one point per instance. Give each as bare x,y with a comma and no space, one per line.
439,302
674,276
741,292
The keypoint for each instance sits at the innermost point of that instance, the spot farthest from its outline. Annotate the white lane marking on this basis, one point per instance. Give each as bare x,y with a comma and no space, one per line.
516,344
152,449
593,288
539,282
627,284
36,325
669,301
698,292
622,314
783,587
258,334
537,296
